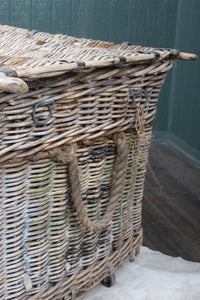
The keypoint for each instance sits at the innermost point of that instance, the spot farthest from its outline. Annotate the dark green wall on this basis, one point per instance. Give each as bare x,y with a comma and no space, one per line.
184,112
158,23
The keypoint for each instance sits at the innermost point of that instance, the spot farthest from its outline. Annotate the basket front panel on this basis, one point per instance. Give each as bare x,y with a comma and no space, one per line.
39,221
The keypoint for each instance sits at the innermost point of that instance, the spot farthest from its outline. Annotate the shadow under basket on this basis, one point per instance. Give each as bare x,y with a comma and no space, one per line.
75,130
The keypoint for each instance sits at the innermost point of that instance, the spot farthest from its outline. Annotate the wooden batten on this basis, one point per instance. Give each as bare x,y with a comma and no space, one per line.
12,85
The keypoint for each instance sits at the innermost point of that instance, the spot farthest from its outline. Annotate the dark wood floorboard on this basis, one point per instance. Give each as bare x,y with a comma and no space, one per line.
171,211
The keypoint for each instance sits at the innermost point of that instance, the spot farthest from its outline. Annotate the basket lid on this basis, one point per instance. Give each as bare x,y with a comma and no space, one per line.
32,54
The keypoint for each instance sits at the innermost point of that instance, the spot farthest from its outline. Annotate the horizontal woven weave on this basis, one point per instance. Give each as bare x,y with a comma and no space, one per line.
85,106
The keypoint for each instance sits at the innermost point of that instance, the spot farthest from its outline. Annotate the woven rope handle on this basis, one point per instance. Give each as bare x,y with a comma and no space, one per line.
67,155
122,154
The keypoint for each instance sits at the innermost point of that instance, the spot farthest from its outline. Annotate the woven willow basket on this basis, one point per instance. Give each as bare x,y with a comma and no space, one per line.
75,129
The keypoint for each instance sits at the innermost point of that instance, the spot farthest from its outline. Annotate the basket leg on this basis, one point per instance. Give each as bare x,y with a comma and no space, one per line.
131,257
109,281
137,251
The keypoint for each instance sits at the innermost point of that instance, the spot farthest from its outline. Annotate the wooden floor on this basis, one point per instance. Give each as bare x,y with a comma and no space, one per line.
171,213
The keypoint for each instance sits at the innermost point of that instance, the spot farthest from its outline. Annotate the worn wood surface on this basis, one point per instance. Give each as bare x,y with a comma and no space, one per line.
12,85
171,214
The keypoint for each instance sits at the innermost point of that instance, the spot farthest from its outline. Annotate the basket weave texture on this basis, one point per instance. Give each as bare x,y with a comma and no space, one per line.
75,128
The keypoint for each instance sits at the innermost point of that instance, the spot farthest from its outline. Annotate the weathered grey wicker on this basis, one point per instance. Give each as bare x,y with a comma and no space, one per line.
75,128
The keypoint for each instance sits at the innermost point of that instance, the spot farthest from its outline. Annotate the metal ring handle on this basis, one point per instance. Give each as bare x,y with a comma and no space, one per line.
41,104
139,92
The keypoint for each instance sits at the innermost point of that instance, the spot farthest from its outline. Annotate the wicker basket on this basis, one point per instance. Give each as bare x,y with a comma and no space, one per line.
75,129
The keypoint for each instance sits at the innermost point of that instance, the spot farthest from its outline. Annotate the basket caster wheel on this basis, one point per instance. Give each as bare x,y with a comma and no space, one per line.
109,281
